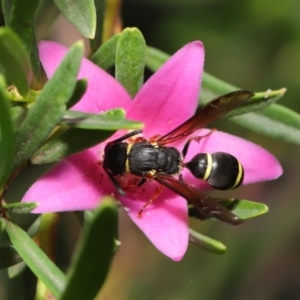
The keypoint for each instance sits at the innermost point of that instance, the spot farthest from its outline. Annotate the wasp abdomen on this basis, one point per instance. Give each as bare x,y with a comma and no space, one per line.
221,170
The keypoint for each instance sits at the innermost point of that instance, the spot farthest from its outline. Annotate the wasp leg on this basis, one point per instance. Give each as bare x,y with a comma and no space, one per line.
142,181
194,138
180,178
154,196
115,183
133,183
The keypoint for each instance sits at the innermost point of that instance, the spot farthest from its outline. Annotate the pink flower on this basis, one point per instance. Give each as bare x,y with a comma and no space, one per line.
166,100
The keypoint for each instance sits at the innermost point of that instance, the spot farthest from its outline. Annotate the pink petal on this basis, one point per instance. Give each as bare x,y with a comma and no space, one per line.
170,96
258,163
72,184
164,222
103,91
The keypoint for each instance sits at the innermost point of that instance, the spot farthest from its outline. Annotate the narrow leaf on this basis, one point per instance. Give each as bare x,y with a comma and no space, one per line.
22,22
276,121
206,243
93,255
79,138
7,137
259,101
50,106
130,60
213,87
8,256
105,56
246,209
111,19
2,225
15,61
18,114
81,13
16,270
71,142
45,236
104,121
100,6
84,217
36,259
46,14
19,268
20,207
79,91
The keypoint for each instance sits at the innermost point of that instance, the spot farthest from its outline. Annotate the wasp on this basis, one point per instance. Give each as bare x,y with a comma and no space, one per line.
155,159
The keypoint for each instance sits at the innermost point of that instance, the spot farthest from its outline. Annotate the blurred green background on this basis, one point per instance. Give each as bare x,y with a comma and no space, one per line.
254,45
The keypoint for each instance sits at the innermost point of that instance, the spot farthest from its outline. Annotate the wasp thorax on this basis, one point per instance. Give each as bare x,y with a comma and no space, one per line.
221,170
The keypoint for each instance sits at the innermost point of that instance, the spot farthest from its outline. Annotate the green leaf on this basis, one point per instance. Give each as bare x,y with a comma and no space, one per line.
50,106
2,225
80,89
104,121
81,13
155,58
6,9
16,270
79,138
18,114
20,207
36,259
258,101
7,137
213,87
94,253
130,60
22,22
275,121
8,256
100,12
70,142
45,17
14,59
246,209
45,235
84,217
105,56
206,243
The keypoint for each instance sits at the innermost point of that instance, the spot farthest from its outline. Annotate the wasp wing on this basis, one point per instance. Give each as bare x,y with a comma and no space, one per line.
211,112
207,206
